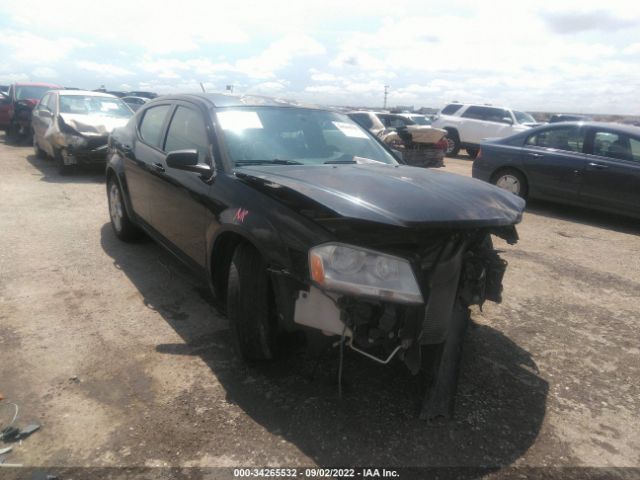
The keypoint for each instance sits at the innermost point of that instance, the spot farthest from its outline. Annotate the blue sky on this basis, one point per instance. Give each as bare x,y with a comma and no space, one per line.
568,55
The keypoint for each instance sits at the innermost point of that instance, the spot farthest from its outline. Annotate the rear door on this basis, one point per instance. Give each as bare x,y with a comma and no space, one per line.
179,197
485,122
612,177
554,162
144,158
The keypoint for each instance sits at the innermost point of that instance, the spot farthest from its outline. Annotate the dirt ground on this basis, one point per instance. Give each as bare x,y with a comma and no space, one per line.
116,350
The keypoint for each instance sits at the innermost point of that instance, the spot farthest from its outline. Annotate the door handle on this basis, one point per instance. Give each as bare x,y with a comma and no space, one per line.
535,155
157,167
599,166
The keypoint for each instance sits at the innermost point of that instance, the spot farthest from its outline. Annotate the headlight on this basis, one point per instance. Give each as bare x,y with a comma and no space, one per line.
75,141
343,268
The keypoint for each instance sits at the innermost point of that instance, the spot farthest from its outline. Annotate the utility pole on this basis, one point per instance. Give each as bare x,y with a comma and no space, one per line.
386,92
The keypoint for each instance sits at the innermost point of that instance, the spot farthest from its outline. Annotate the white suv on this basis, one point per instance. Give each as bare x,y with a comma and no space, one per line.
467,125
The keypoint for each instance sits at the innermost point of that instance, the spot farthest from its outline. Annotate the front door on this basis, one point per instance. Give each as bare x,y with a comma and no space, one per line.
554,162
179,209
612,177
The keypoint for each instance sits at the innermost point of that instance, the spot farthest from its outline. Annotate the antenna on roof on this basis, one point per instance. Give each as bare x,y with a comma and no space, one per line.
202,87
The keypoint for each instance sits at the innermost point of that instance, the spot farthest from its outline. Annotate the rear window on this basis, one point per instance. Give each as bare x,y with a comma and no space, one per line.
451,109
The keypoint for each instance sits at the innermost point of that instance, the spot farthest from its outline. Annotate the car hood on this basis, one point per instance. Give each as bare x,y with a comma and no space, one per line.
395,195
93,124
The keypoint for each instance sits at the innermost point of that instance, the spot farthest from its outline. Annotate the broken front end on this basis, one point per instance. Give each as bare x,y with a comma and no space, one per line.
82,141
399,300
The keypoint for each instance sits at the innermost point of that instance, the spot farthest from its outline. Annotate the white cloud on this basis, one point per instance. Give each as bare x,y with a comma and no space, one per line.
103,69
25,47
45,72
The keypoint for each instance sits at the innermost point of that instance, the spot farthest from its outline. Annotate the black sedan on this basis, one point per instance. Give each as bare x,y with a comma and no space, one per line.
583,163
300,219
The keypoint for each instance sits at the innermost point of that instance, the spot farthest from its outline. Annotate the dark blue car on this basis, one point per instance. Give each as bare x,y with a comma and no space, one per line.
584,163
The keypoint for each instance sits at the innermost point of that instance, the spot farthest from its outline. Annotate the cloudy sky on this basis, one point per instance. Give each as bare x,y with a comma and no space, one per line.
561,55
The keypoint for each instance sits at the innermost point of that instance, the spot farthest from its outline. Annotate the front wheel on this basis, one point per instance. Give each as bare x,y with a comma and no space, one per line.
122,225
453,144
250,305
512,181
37,151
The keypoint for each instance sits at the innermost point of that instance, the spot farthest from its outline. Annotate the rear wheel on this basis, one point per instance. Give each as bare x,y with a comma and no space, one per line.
511,180
250,305
122,225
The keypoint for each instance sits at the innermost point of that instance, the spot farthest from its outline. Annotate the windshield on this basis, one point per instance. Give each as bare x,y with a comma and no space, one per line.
286,135
94,105
522,117
28,91
420,120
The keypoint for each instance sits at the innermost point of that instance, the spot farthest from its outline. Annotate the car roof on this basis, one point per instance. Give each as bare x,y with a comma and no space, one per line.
84,93
35,84
227,100
622,127
134,96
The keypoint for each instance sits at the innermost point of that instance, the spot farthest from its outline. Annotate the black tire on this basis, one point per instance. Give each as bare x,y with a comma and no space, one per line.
62,168
472,152
453,144
511,180
122,225
250,305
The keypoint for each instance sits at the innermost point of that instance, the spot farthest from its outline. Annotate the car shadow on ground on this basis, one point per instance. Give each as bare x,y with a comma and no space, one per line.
585,216
81,174
500,404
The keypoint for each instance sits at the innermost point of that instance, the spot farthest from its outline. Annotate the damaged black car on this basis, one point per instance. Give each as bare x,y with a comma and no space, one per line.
73,126
300,219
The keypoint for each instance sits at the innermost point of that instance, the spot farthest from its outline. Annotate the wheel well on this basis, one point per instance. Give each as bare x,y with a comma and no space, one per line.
452,131
221,256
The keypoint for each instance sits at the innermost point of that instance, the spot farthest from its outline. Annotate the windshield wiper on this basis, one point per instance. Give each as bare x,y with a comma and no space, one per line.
275,161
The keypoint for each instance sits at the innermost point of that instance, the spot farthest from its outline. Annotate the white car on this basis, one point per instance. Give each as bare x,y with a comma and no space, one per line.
467,125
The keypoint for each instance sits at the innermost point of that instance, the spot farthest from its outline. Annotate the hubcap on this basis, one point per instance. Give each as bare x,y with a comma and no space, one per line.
509,183
115,206
450,145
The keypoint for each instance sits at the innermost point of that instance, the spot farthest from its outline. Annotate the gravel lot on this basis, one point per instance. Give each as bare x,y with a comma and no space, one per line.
117,351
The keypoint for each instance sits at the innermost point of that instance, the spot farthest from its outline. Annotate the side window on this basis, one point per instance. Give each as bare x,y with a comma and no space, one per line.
186,131
569,139
43,102
476,113
51,102
635,148
614,145
151,125
451,109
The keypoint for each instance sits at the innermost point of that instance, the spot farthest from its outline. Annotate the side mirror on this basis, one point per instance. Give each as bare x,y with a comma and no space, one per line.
45,112
187,160
508,120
